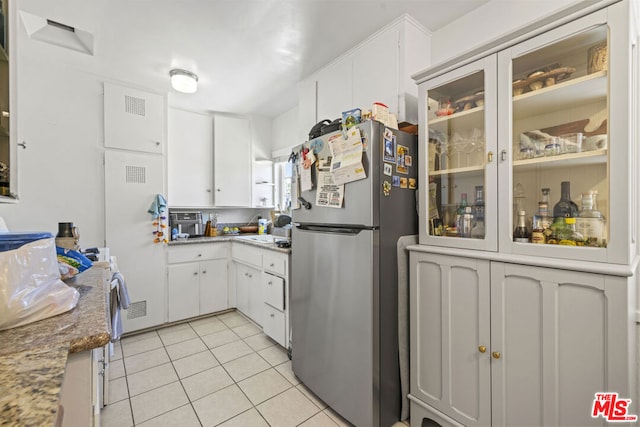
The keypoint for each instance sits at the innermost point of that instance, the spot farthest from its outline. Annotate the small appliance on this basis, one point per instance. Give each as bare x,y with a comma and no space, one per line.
187,222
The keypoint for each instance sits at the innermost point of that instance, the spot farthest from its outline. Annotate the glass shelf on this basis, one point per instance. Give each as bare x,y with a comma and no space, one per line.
561,96
586,158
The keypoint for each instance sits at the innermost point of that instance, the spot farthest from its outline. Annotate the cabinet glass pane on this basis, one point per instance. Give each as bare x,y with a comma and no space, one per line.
456,166
560,142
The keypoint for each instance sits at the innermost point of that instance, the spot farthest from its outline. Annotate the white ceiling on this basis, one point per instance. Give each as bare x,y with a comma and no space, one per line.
248,54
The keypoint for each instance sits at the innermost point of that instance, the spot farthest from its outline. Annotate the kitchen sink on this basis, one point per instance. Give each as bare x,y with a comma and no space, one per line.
260,238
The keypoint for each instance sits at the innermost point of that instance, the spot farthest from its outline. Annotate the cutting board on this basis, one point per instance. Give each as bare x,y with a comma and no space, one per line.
576,127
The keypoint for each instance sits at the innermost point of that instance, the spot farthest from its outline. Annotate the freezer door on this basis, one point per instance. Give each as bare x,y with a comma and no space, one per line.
332,300
358,195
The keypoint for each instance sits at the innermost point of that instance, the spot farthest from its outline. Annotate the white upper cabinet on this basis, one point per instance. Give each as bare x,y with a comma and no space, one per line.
232,161
334,89
133,119
377,70
190,159
561,111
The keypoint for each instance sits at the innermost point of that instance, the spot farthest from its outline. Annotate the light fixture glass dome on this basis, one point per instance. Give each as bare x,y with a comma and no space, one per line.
184,81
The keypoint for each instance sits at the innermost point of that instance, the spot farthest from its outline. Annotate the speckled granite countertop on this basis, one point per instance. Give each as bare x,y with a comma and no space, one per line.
33,357
232,238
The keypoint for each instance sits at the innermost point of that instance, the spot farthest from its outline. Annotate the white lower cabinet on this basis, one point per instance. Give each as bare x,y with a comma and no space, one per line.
494,343
80,394
249,292
261,281
197,280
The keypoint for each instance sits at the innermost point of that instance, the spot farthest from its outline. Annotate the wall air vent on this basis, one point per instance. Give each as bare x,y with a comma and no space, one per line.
137,309
57,33
135,175
134,105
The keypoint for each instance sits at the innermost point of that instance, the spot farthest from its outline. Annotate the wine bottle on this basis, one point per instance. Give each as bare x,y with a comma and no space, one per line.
565,206
521,233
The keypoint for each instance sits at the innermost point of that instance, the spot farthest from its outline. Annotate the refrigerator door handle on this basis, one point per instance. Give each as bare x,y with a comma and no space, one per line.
351,230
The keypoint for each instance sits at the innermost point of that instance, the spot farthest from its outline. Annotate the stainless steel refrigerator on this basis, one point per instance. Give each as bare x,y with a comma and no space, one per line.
344,281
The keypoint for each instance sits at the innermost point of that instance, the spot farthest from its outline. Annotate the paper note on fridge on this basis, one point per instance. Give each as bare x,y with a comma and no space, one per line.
329,194
346,157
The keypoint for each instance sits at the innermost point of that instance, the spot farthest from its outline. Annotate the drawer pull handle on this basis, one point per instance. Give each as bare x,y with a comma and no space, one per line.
204,271
270,282
272,265
199,255
195,273
273,315
496,355
482,349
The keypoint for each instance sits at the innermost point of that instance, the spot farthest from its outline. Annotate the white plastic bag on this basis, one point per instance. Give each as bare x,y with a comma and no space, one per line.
30,285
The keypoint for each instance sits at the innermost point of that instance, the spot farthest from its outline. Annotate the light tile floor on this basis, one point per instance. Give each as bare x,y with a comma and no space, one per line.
217,371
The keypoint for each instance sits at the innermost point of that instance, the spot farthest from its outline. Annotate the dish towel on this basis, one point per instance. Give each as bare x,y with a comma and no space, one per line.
403,319
159,219
158,206
119,301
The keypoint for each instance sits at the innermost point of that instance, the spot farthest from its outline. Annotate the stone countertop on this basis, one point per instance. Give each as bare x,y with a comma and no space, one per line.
33,357
232,238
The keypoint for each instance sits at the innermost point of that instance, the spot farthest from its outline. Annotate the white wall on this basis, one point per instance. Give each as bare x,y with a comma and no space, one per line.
285,131
488,22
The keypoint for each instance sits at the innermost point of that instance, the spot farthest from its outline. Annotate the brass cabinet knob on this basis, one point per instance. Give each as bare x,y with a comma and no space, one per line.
482,349
490,157
496,354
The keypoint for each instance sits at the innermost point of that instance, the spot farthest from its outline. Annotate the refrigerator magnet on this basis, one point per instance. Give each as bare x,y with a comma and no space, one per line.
389,147
395,181
388,169
386,188
412,184
316,145
401,152
403,182
408,161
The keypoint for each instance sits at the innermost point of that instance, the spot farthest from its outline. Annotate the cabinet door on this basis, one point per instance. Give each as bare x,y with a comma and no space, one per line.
214,293
307,106
232,161
375,72
449,336
190,159
335,89
556,340
249,298
133,119
565,119
184,291
458,125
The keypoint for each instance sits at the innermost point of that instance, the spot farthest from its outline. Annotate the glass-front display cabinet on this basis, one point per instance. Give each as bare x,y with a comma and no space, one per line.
565,138
460,169
532,149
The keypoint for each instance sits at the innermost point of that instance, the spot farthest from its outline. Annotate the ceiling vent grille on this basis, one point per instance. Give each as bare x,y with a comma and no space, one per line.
134,105
135,175
137,309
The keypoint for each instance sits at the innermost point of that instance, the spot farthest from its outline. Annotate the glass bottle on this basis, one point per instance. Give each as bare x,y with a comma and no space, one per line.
460,212
565,206
467,219
477,232
590,222
521,233
542,220
569,236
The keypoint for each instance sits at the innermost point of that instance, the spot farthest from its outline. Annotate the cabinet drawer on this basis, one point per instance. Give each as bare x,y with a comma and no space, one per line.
273,290
274,262
189,253
246,254
273,324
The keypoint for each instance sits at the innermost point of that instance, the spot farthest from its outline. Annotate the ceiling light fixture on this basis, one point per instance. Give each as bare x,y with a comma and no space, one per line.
184,81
